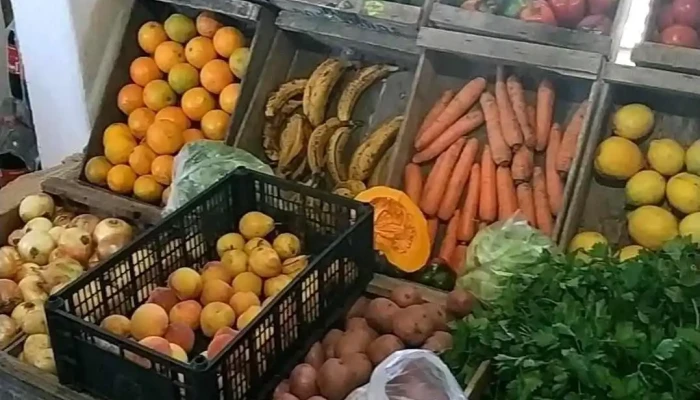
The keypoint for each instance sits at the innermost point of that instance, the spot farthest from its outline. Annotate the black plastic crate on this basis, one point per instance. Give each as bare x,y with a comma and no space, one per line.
337,232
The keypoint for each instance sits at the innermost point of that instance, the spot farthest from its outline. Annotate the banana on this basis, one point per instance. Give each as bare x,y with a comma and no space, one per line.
334,154
271,130
363,80
312,81
298,173
285,92
318,142
355,187
321,90
292,140
369,152
375,178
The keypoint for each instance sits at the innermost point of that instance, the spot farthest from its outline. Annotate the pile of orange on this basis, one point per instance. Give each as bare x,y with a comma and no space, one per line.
183,89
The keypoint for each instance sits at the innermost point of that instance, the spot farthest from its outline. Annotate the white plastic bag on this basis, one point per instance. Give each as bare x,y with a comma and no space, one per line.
410,375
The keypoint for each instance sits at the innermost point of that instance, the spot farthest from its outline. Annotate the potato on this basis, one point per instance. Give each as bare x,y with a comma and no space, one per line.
356,323
317,398
329,342
355,341
380,314
413,325
358,309
438,342
288,396
281,389
406,295
316,356
335,379
382,347
360,366
460,303
438,314
302,381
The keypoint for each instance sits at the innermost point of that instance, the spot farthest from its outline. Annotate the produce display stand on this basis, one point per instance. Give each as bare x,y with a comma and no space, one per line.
597,204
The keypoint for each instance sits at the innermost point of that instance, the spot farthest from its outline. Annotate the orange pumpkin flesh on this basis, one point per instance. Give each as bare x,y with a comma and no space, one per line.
400,229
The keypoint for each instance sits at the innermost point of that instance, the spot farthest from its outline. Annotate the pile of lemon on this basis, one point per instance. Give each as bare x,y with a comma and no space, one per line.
662,185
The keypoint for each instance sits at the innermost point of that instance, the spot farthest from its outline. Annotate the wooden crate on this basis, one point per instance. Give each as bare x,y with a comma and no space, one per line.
598,204
254,21
451,59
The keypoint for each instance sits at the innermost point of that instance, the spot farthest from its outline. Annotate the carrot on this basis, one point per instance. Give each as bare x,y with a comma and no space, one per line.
544,112
517,99
436,184
412,181
463,101
434,112
488,202
461,127
509,123
499,149
526,203
433,225
449,241
470,209
458,256
552,181
542,214
532,120
507,200
523,161
567,147
458,180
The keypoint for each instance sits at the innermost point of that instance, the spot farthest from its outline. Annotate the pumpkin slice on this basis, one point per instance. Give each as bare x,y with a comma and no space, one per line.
400,229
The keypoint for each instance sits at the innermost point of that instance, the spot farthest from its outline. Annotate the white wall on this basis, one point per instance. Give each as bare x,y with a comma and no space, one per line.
68,48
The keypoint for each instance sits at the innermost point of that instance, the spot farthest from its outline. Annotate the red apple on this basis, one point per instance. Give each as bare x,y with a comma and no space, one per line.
568,12
665,17
538,11
596,7
679,35
600,24
686,12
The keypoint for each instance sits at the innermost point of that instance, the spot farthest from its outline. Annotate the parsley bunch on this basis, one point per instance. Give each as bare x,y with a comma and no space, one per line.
570,329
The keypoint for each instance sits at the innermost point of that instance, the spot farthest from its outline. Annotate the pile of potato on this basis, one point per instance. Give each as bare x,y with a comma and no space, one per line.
374,329
52,249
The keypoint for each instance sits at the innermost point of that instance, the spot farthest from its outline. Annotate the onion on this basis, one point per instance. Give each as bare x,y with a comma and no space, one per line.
15,237
10,261
32,288
10,296
8,330
27,269
22,309
36,246
56,232
110,245
77,244
86,222
112,226
38,224
36,205
94,260
63,218
63,270
58,253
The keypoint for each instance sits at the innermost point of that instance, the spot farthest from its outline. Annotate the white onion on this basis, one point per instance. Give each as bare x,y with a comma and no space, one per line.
94,260
56,232
58,253
61,271
10,261
112,226
36,246
38,224
32,288
36,205
27,269
77,244
110,245
15,237
22,309
86,222
8,330
63,218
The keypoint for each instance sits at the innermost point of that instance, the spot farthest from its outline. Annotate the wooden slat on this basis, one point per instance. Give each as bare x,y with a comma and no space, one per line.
665,57
652,78
234,8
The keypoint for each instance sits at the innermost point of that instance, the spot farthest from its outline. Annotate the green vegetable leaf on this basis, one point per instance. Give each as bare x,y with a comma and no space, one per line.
665,349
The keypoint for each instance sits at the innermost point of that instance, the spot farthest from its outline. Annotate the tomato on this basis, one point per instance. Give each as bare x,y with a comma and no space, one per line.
686,12
679,35
538,11
568,12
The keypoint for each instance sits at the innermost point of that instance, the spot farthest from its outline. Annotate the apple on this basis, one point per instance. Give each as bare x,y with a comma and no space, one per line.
538,11
665,17
686,12
568,12
679,35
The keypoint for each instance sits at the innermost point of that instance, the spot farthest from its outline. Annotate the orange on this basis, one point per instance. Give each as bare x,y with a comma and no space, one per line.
119,149
139,121
164,137
238,62
192,135
180,28
165,196
96,170
183,77
141,158
146,188
228,39
215,76
197,102
176,115
151,34
158,94
143,70
200,51
207,25
169,54
229,97
116,130
162,169
130,97
215,124
121,178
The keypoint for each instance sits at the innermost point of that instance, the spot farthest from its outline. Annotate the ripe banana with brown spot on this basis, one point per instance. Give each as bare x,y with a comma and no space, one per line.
363,80
312,81
334,154
292,140
272,127
321,91
369,152
376,177
318,143
285,92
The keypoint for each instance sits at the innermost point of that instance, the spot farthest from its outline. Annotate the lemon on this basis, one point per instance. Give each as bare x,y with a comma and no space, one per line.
683,192
690,226
629,252
618,158
180,28
652,226
585,241
645,187
633,121
692,158
666,156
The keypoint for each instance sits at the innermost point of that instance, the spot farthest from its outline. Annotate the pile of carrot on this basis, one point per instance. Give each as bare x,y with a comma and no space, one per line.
468,189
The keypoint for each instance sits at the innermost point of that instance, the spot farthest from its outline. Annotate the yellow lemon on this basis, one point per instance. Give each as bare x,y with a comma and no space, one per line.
683,192
645,187
633,121
666,156
618,158
690,226
652,226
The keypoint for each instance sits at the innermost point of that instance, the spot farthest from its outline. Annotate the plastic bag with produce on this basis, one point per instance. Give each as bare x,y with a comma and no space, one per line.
202,163
410,375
